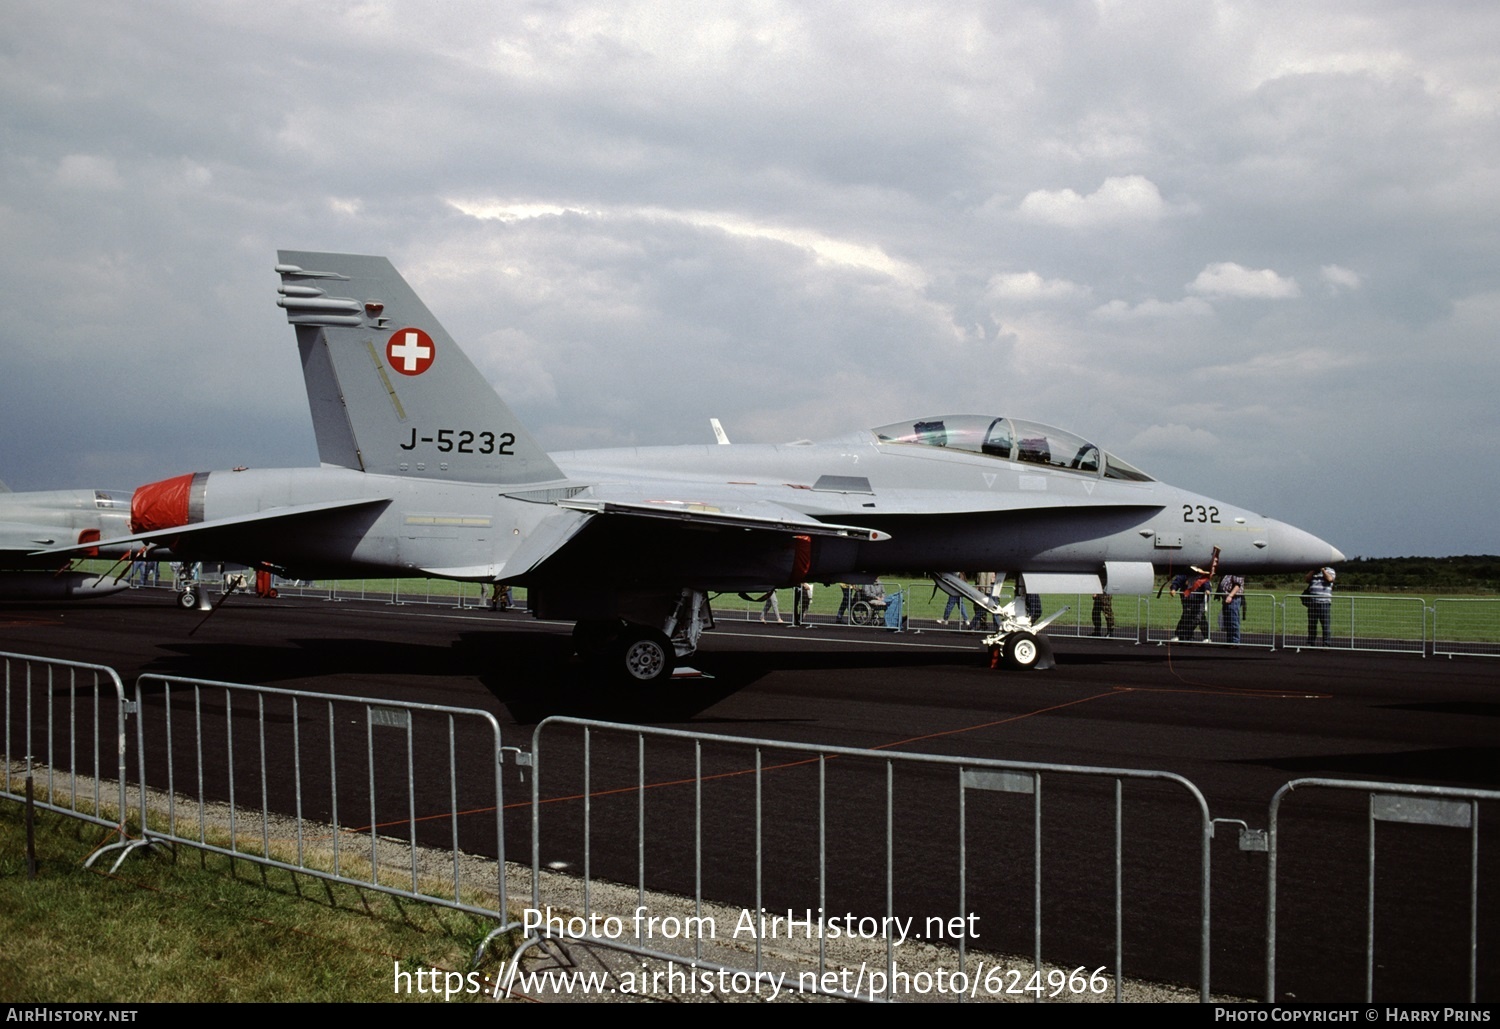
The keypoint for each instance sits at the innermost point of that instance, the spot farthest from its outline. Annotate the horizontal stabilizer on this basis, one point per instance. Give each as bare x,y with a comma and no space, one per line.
551,535
199,530
546,539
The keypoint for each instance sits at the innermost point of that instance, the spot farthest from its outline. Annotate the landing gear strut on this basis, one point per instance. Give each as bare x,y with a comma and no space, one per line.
1017,641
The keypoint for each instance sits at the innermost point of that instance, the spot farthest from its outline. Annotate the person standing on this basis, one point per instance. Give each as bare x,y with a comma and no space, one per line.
1031,601
1177,587
772,608
955,600
1104,614
1232,587
802,595
1194,592
1203,588
1319,599
846,604
985,582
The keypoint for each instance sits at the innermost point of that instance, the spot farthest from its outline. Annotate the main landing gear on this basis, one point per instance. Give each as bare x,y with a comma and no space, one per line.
644,655
638,654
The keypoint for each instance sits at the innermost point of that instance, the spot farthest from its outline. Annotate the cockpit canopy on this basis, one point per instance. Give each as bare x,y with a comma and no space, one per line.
1014,440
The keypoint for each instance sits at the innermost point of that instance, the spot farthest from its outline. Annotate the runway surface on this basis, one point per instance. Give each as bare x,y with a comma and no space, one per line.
1236,723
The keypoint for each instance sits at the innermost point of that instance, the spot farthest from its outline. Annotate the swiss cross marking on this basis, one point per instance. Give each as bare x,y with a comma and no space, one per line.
410,351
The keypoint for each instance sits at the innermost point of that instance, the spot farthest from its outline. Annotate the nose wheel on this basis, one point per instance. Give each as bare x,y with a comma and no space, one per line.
1019,649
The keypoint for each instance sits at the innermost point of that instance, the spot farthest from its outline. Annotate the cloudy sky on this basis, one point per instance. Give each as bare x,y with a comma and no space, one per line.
1250,247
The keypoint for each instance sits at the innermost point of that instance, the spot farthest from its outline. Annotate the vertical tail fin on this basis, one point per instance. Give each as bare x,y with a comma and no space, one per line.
390,391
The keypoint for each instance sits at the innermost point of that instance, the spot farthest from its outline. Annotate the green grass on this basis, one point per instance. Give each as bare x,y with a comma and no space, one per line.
203,928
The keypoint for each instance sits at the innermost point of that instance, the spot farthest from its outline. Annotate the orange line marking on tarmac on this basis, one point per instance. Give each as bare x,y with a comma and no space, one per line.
813,760
1192,687
1227,691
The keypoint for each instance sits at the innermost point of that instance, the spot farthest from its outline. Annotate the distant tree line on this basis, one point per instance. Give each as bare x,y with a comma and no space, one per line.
1467,574
1452,575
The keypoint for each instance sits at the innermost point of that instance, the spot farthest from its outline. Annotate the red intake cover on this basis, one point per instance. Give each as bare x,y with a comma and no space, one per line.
161,505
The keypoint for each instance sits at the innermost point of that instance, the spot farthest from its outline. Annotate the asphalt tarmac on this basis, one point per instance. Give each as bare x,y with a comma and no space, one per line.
1237,723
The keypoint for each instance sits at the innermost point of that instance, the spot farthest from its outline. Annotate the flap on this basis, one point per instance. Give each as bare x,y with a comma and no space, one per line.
757,515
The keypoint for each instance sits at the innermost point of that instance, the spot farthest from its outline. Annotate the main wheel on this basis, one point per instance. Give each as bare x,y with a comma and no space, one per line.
862,612
1022,650
187,599
647,656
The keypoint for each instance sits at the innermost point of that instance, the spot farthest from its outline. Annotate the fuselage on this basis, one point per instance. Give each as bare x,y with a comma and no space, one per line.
943,508
946,508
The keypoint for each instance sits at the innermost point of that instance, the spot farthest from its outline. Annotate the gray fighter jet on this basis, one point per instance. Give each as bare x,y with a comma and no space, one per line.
426,472
50,517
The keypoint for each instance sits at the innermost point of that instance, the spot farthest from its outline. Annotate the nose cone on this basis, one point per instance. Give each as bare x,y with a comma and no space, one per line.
1288,547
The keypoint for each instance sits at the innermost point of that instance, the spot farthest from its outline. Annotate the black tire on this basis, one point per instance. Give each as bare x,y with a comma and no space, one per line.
862,612
1022,651
187,599
646,656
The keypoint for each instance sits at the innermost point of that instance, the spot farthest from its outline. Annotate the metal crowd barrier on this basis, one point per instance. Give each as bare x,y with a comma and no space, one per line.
1452,626
77,747
753,796
413,788
862,613
1163,620
441,592
228,763
1358,622
1462,626
1389,804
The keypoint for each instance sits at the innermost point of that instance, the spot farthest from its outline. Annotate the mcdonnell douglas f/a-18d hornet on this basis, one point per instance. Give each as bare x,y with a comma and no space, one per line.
426,472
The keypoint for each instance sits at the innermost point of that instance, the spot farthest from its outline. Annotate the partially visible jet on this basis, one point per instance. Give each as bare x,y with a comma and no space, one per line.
426,472
29,521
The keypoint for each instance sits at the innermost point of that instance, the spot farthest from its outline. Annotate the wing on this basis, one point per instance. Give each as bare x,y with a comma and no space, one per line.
721,543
